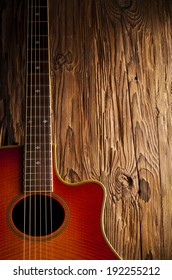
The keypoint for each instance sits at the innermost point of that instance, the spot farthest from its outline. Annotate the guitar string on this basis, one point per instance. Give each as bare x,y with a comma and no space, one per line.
26,133
45,126
35,128
50,155
45,162
30,88
31,119
46,212
40,150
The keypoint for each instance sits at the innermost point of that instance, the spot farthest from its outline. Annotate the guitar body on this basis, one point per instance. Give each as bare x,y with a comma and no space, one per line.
80,236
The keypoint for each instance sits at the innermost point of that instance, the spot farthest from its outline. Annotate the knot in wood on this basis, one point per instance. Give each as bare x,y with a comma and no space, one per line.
123,179
144,192
60,59
64,59
122,187
124,3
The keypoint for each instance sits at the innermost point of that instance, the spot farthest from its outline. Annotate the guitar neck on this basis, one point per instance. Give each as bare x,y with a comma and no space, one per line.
38,146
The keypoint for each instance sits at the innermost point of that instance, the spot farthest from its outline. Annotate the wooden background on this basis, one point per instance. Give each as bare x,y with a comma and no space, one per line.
111,76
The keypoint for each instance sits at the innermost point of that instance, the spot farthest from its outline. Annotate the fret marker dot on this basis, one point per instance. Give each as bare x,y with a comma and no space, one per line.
37,90
45,121
37,147
37,162
37,67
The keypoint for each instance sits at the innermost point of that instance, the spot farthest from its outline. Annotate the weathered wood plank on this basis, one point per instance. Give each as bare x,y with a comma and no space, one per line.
163,89
111,108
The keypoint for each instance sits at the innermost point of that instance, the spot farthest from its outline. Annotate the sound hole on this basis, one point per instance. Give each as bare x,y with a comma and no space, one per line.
38,215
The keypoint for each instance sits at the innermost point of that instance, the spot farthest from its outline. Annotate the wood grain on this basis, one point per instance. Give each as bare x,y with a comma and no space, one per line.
111,64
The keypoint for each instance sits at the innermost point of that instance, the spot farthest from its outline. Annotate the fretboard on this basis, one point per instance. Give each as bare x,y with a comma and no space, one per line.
38,146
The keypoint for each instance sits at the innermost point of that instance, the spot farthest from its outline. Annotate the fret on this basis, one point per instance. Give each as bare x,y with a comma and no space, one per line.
31,176
31,133
37,162
38,131
38,92
33,140
33,95
37,21
39,152
37,28
42,111
34,149
36,134
32,181
38,107
43,118
38,67
38,101
38,55
40,155
38,190
28,175
33,100
34,5
38,41
34,49
38,169
37,6
33,119
38,126
43,115
38,86
47,189
37,79
37,98
41,121
33,145
37,61
38,14
38,138
33,185
38,185
37,2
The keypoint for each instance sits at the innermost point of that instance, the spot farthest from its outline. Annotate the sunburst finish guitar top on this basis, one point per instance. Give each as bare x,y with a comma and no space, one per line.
41,216
79,235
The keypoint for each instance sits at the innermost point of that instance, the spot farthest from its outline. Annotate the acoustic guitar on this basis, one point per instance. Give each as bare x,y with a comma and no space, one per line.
41,216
